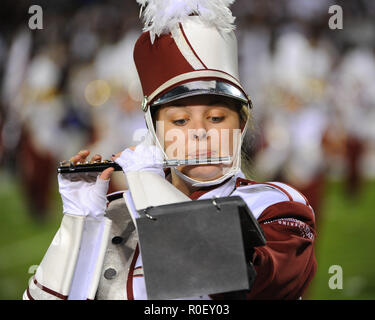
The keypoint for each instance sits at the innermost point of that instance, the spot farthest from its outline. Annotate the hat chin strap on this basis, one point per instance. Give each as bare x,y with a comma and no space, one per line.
236,164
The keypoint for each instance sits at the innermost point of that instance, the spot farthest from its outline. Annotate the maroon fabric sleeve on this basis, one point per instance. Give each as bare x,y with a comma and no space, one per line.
286,264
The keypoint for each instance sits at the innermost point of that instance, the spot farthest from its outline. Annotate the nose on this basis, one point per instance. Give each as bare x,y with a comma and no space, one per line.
199,134
198,129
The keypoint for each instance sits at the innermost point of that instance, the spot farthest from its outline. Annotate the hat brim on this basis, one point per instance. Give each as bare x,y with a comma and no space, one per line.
201,87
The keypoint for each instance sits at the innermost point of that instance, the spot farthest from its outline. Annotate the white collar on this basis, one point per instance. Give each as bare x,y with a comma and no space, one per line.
225,189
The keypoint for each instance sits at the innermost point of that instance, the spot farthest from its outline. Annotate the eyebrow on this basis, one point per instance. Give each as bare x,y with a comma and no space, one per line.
172,109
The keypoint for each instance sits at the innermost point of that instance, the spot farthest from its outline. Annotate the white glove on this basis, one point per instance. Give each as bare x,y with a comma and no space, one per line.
145,157
83,194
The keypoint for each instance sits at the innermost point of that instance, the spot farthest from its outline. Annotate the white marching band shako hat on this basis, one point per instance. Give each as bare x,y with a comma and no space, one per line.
188,48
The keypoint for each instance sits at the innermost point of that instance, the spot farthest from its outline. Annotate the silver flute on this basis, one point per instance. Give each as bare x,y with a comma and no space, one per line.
99,166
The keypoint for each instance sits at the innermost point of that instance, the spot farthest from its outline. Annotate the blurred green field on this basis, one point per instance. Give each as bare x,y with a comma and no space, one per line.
346,237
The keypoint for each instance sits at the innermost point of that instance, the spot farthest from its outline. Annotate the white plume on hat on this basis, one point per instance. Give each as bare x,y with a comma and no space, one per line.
162,16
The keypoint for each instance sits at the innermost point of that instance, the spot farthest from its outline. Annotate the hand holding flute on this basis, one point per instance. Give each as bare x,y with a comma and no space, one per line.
80,160
83,184
84,194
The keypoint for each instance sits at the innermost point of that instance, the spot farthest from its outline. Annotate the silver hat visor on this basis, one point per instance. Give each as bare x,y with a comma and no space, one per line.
202,87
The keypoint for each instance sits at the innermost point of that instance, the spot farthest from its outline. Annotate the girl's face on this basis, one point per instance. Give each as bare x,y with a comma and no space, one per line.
199,127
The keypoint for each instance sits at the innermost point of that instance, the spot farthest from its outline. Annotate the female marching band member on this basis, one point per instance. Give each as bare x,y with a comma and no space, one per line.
195,108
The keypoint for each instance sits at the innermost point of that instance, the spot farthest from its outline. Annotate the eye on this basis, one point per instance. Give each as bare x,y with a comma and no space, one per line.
217,119
179,122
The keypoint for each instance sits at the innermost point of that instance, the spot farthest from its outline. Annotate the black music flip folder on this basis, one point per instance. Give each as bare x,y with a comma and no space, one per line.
196,248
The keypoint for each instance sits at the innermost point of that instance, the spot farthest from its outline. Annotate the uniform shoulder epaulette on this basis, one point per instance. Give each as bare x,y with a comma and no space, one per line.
292,193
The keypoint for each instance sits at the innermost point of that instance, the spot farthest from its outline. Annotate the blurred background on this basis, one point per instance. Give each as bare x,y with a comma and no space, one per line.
73,85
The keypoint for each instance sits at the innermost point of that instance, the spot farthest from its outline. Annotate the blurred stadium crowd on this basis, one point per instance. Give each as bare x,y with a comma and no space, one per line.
73,85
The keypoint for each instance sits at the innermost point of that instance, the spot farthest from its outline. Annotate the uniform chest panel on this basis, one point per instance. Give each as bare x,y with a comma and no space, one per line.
119,254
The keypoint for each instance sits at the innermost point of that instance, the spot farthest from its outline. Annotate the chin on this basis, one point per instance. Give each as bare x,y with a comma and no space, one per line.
204,172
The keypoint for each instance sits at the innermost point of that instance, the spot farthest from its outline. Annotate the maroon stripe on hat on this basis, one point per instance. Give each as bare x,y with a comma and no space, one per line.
191,47
50,291
158,62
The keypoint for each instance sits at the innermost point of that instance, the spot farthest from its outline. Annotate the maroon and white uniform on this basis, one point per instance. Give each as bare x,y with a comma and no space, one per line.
285,266
100,259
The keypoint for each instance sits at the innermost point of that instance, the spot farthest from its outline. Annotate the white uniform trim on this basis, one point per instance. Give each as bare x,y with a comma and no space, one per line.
130,205
296,195
91,254
72,264
221,51
61,256
34,292
185,49
259,196
139,285
149,188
